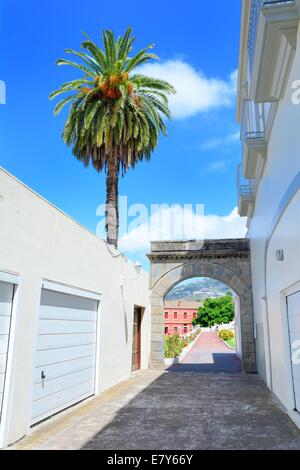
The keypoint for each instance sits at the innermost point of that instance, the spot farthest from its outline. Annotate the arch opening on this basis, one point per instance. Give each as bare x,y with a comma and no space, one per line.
202,327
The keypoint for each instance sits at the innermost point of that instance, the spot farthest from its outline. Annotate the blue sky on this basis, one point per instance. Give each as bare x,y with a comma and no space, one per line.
197,43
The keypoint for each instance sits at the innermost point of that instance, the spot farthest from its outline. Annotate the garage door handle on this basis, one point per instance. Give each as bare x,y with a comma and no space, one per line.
43,376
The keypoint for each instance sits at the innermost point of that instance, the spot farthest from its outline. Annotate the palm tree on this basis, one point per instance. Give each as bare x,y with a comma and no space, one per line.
116,114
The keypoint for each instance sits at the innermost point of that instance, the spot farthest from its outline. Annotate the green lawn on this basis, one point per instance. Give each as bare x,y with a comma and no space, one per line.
231,342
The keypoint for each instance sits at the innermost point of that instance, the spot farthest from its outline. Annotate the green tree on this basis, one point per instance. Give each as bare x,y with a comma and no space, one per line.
116,114
215,312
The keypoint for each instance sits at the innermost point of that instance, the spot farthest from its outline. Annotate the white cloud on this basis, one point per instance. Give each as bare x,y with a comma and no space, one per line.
158,228
218,166
226,141
234,137
196,93
230,226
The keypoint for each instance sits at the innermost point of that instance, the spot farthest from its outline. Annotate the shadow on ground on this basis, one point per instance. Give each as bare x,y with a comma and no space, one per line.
226,363
194,411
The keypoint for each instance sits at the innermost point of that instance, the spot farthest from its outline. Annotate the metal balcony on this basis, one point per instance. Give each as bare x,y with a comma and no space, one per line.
253,129
256,6
254,120
245,193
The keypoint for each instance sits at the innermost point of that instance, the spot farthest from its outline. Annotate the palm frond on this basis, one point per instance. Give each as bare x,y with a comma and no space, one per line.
61,104
90,61
84,69
140,58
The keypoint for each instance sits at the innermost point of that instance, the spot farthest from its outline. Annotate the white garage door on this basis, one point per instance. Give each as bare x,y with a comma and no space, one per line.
65,360
294,332
6,297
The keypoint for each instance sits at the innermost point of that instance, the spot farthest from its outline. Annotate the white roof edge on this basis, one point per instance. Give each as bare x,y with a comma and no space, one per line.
242,70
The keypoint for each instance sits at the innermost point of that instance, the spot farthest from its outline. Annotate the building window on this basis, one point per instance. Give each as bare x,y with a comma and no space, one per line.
166,315
185,315
166,330
175,330
195,315
175,315
185,330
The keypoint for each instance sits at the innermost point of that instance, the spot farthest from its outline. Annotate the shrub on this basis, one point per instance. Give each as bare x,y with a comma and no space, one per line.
174,345
226,334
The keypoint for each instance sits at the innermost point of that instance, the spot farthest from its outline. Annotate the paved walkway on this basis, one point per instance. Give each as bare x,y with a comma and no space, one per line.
209,355
171,411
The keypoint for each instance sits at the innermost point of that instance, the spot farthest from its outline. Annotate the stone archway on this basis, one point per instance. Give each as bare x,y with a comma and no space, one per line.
225,260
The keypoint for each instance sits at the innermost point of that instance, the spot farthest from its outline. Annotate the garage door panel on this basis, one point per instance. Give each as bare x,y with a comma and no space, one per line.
2,378
65,327
6,292
294,323
3,343
4,325
293,302
54,371
64,313
2,363
61,383
51,404
58,299
296,371
5,308
294,338
52,356
63,341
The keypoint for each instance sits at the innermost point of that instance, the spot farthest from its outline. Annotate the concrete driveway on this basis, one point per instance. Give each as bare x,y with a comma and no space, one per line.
210,355
173,410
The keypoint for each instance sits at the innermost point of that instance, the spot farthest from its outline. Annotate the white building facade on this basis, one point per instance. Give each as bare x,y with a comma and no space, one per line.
269,186
74,313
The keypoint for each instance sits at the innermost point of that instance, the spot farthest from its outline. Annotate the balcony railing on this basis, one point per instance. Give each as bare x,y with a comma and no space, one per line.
256,6
245,187
254,122
245,193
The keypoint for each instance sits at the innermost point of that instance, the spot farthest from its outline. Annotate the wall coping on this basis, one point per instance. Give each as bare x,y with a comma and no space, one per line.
199,249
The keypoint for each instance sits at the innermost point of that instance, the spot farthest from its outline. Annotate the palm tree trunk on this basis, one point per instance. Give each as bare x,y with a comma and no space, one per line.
112,209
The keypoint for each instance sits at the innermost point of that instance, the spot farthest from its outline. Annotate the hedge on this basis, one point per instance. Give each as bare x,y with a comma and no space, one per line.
174,345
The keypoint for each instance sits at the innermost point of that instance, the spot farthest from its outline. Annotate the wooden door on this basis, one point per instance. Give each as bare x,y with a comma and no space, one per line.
136,339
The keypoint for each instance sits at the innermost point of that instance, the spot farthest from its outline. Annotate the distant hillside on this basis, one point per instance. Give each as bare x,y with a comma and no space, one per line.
198,290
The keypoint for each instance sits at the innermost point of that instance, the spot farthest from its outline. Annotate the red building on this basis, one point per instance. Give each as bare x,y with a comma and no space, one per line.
179,315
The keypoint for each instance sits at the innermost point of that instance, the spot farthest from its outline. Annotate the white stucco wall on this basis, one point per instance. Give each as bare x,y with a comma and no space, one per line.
37,241
282,165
